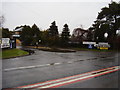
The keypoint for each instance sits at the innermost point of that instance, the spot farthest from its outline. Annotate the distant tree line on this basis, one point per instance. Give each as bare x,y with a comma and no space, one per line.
50,37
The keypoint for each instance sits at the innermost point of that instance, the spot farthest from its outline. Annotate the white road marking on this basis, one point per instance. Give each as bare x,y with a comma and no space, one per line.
52,85
27,67
36,66
70,62
63,82
57,63
72,79
56,81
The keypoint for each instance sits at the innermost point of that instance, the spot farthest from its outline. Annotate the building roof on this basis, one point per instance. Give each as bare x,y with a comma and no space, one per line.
80,29
18,29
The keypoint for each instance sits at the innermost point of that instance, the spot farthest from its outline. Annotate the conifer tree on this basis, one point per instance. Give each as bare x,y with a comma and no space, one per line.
53,30
65,35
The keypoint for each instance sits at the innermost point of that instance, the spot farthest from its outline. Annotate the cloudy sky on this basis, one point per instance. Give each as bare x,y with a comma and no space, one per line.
75,13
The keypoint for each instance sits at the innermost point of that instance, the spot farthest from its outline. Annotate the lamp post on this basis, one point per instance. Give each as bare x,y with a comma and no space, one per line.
37,43
106,35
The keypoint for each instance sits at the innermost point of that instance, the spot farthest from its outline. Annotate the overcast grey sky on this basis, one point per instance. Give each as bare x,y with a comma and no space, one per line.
75,14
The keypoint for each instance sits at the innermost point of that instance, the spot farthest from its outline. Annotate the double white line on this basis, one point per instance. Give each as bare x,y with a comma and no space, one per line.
72,79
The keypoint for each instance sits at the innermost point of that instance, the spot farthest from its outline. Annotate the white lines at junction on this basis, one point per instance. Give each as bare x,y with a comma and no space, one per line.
43,65
26,67
71,79
37,66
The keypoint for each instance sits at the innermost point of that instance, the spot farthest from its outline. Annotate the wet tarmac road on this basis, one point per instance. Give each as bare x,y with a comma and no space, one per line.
69,64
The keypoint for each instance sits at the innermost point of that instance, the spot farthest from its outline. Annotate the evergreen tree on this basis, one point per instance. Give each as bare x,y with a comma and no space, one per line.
53,30
53,36
108,21
26,35
36,34
65,35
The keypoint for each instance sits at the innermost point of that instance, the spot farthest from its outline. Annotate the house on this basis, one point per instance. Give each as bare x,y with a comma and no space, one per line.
17,32
79,35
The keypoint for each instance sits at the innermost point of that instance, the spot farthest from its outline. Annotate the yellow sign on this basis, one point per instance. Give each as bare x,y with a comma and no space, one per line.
106,48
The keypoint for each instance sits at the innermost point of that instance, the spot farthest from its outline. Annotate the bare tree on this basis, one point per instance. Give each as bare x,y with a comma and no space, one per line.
2,20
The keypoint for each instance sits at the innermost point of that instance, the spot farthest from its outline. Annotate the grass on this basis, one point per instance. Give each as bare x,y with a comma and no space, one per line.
10,53
72,48
51,49
86,49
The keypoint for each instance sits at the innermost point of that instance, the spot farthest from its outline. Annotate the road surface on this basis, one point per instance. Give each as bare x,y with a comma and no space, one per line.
44,66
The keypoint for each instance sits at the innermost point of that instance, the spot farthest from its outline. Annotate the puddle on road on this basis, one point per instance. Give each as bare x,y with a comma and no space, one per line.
52,63
31,59
80,60
103,57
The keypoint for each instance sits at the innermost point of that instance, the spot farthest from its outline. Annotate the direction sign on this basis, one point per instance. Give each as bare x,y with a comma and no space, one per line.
90,46
89,42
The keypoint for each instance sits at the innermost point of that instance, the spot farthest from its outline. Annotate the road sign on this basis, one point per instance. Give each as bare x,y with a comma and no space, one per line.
90,46
89,42
16,36
103,45
105,48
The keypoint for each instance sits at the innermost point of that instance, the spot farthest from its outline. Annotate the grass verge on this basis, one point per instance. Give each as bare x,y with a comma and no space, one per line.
12,53
52,49
85,49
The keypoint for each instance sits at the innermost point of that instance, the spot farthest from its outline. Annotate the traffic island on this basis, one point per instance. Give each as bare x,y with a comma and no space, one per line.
57,50
52,49
12,53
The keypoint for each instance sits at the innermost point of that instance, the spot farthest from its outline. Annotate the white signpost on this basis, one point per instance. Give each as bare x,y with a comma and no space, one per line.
90,44
100,45
16,35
